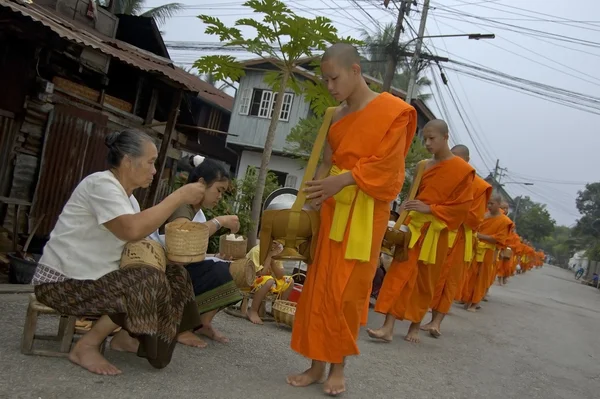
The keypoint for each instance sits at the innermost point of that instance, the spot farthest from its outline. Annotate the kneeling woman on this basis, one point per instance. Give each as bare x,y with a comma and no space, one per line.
213,285
79,273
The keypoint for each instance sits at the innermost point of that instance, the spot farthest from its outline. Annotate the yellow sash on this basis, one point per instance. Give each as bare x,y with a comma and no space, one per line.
432,236
452,237
468,243
482,247
360,236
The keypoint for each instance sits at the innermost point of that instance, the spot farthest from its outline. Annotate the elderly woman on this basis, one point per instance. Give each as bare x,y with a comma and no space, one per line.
213,285
79,273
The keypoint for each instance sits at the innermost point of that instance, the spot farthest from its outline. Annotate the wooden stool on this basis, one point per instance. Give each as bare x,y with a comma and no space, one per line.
65,335
243,311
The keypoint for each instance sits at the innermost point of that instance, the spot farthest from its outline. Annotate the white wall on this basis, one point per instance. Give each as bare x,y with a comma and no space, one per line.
277,163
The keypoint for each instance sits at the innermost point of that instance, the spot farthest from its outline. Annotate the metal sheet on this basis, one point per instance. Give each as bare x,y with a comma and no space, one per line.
73,148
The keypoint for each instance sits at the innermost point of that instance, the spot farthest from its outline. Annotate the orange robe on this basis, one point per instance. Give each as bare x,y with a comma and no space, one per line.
409,286
371,143
482,192
503,264
499,228
506,265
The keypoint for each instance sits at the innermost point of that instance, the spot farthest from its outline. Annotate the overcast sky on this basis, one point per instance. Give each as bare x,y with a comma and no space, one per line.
536,140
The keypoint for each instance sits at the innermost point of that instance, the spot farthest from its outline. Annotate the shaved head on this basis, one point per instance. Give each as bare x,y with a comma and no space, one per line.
343,54
461,151
497,198
438,125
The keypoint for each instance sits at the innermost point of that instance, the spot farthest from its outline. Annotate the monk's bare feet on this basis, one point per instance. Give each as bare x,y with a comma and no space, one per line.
314,375
485,299
435,332
382,334
472,308
336,383
90,358
188,338
123,342
254,317
413,334
427,327
208,331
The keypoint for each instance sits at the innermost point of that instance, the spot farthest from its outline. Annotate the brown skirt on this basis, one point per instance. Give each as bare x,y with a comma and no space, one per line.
153,306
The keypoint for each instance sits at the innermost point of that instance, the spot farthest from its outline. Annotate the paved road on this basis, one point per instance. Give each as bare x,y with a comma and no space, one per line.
539,337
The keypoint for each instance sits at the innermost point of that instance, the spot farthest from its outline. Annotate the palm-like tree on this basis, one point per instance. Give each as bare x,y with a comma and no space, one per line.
136,7
376,48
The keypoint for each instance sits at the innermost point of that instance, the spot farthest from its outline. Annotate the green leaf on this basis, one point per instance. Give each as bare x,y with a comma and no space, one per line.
221,67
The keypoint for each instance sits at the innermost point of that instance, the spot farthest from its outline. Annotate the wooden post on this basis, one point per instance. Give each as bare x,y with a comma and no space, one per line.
152,107
164,148
138,95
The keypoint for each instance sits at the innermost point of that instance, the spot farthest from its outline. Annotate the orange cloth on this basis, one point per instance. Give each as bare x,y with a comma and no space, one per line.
408,287
372,143
451,276
498,227
482,192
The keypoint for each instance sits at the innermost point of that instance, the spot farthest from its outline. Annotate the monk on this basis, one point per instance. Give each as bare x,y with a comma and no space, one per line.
459,255
494,231
503,269
442,203
362,172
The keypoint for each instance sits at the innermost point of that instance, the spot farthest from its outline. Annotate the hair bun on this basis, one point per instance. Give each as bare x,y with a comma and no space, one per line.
110,140
197,160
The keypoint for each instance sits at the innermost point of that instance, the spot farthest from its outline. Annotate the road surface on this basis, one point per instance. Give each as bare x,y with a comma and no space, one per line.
538,337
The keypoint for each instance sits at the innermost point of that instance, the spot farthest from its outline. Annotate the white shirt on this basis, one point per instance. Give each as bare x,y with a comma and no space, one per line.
80,247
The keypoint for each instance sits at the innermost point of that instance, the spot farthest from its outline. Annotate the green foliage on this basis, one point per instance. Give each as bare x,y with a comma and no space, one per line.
533,220
297,37
587,229
301,139
560,245
136,7
238,201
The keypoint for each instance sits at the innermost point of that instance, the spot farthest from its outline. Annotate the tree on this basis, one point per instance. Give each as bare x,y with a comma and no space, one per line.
136,7
560,245
376,47
587,228
296,37
533,220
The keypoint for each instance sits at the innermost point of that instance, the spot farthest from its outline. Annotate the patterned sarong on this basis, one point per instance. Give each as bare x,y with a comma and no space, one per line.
153,306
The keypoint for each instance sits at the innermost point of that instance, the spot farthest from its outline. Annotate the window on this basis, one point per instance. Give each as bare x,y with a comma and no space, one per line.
291,181
245,102
263,102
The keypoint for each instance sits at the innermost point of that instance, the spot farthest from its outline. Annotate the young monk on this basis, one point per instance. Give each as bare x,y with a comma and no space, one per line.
504,254
494,231
364,163
461,254
442,203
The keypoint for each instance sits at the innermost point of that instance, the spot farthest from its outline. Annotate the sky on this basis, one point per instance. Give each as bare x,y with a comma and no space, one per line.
550,145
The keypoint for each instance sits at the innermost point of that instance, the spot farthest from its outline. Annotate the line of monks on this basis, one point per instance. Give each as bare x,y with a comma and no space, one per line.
461,238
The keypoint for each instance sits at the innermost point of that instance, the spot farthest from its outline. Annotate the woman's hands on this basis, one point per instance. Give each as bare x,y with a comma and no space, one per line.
231,222
192,193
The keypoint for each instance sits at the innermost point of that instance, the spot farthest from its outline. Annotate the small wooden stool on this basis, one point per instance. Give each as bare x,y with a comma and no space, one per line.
66,330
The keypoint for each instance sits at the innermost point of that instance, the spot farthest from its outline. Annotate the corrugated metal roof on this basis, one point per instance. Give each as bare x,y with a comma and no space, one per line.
122,51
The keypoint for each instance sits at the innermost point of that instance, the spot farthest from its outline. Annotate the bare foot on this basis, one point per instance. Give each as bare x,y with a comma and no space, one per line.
427,327
254,317
459,302
123,342
313,375
413,334
485,299
381,334
435,332
89,357
209,332
472,309
190,339
336,383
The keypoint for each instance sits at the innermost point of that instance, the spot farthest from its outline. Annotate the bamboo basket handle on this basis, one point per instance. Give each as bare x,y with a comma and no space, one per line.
414,188
311,168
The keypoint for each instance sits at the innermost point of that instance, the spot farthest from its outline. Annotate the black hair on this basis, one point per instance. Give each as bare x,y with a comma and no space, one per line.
210,171
126,142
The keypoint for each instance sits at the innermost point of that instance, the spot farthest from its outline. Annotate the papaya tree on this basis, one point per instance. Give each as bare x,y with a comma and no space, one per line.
283,38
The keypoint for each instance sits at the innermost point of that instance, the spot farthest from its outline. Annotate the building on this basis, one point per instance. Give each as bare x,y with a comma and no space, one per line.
70,75
251,116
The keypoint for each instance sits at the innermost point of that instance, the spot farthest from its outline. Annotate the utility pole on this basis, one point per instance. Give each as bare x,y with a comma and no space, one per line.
415,60
393,53
498,172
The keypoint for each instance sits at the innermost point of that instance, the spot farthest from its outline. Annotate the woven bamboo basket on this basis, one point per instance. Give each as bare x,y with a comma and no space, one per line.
186,242
145,252
243,273
284,312
233,249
